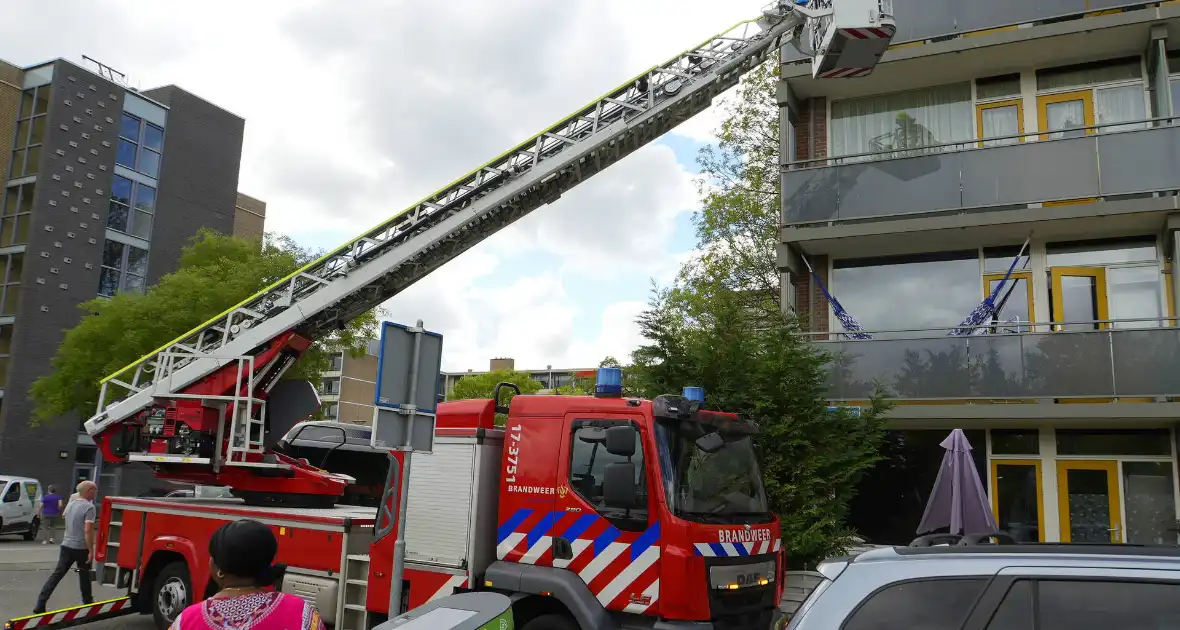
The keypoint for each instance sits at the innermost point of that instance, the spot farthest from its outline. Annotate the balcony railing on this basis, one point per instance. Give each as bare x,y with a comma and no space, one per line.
1115,362
919,20
998,172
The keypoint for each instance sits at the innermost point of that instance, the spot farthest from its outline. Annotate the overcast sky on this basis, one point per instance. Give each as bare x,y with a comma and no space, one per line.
356,109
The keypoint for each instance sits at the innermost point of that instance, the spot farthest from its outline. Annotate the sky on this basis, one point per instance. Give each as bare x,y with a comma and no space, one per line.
354,110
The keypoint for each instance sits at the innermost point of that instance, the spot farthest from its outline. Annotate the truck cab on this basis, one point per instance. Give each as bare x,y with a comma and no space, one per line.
624,507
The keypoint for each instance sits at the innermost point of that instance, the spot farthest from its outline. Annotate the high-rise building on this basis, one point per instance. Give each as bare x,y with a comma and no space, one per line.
103,186
348,388
911,191
249,218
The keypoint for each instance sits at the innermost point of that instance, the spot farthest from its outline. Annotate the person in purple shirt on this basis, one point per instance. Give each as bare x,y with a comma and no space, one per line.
50,513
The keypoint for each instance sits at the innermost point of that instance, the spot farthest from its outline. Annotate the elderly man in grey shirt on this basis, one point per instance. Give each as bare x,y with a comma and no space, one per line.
77,546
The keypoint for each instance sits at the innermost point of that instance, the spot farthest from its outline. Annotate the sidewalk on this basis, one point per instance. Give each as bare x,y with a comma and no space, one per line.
18,555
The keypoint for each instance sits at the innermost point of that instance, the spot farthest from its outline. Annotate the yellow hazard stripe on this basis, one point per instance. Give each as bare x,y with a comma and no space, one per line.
453,184
67,609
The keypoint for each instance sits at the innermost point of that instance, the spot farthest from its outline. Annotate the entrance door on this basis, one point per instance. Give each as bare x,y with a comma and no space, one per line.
997,120
1079,295
1017,498
1088,500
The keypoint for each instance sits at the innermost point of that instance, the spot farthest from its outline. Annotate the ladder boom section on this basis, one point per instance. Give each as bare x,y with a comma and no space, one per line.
370,269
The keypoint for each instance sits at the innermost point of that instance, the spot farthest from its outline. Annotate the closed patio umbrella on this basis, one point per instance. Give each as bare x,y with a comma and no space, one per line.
958,500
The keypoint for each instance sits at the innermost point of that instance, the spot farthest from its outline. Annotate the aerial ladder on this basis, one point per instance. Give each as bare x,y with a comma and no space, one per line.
202,409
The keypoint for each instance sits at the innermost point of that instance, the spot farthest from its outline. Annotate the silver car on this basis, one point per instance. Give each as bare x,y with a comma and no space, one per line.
968,585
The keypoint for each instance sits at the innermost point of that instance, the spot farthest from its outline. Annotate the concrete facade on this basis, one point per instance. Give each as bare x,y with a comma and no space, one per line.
118,184
911,191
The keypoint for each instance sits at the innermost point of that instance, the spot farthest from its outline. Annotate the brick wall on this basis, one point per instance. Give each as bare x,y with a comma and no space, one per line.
810,146
198,175
10,91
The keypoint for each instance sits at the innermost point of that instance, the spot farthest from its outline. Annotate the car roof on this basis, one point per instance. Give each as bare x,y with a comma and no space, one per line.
1032,549
7,478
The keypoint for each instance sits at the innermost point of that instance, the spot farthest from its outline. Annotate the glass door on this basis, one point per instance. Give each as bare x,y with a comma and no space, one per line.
1088,500
1079,296
1017,498
1066,115
1000,119
1014,303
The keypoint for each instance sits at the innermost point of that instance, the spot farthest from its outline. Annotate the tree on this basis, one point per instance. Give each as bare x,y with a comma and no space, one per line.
484,385
215,272
720,326
584,385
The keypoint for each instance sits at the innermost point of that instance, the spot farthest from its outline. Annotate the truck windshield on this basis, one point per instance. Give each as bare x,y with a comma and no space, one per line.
710,476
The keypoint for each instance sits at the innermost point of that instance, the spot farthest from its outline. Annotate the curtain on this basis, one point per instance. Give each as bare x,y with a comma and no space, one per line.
1001,121
1066,115
1119,104
902,124
1080,76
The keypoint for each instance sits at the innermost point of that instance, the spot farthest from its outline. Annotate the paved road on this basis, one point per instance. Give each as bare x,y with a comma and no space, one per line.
24,567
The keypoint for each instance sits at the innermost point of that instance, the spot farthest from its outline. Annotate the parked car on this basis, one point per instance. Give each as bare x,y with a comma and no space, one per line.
945,583
19,498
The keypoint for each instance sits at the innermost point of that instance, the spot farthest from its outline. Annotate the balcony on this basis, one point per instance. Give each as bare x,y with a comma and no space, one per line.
1138,363
999,173
920,20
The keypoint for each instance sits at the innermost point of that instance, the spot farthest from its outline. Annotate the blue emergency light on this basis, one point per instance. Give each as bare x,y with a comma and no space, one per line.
695,394
610,383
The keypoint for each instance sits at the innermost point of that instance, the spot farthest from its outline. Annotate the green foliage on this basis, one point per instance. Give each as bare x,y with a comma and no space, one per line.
720,326
483,385
215,272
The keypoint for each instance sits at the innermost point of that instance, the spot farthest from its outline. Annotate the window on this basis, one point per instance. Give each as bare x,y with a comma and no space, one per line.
331,411
1015,441
140,144
16,215
124,268
1086,605
132,207
13,269
330,386
335,363
1114,89
893,293
894,125
5,351
31,490
1006,86
30,132
921,605
1114,442
12,494
588,462
1016,610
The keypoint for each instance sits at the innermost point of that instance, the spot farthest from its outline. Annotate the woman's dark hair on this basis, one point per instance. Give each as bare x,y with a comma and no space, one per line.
247,549
52,489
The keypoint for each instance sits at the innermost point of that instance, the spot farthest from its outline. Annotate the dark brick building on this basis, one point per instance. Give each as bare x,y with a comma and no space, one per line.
103,188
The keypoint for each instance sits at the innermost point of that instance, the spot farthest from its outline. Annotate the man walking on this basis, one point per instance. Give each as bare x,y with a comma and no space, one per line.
50,513
77,545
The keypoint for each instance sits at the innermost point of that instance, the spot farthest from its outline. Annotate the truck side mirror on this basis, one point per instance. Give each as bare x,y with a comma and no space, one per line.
620,441
618,485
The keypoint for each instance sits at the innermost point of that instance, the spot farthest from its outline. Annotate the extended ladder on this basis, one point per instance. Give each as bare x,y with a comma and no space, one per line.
361,274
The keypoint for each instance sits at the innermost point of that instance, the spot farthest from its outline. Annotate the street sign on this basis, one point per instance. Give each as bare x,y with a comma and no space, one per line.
396,368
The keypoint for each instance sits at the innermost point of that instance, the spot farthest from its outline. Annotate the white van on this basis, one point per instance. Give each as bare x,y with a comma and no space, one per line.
19,499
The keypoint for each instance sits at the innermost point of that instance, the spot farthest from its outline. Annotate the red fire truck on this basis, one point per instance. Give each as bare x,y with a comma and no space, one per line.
591,512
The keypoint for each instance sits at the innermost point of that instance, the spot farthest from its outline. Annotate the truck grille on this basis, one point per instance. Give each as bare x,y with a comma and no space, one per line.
750,607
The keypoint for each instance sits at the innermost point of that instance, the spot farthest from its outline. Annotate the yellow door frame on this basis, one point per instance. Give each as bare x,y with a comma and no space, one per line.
1016,275
1100,301
1036,464
1112,486
1086,96
1016,102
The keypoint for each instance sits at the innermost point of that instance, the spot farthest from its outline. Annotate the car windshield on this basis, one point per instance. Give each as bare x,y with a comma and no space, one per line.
711,476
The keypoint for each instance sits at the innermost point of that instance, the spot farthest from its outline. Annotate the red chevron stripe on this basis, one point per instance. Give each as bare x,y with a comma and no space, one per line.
636,588
880,33
855,32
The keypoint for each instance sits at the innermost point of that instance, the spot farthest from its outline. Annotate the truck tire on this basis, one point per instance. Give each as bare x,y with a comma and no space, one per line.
551,622
171,593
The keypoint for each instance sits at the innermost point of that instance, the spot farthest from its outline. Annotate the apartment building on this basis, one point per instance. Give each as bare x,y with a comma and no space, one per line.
911,192
103,185
348,388
550,378
249,218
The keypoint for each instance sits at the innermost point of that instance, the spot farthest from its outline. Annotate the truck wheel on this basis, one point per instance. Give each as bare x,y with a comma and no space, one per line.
34,527
551,622
171,593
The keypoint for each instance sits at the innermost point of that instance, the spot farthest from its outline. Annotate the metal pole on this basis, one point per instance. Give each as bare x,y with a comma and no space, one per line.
399,544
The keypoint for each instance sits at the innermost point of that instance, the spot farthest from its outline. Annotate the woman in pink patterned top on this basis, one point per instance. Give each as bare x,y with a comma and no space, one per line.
240,557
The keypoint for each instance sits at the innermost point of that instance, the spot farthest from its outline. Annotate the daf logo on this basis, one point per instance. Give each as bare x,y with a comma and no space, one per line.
748,579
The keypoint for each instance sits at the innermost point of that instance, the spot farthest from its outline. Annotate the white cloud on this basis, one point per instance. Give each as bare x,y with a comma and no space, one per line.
354,114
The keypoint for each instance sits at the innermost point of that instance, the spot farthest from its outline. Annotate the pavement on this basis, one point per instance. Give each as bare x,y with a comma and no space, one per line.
24,567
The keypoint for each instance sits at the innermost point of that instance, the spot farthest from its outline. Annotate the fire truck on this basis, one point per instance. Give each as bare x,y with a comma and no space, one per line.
209,408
